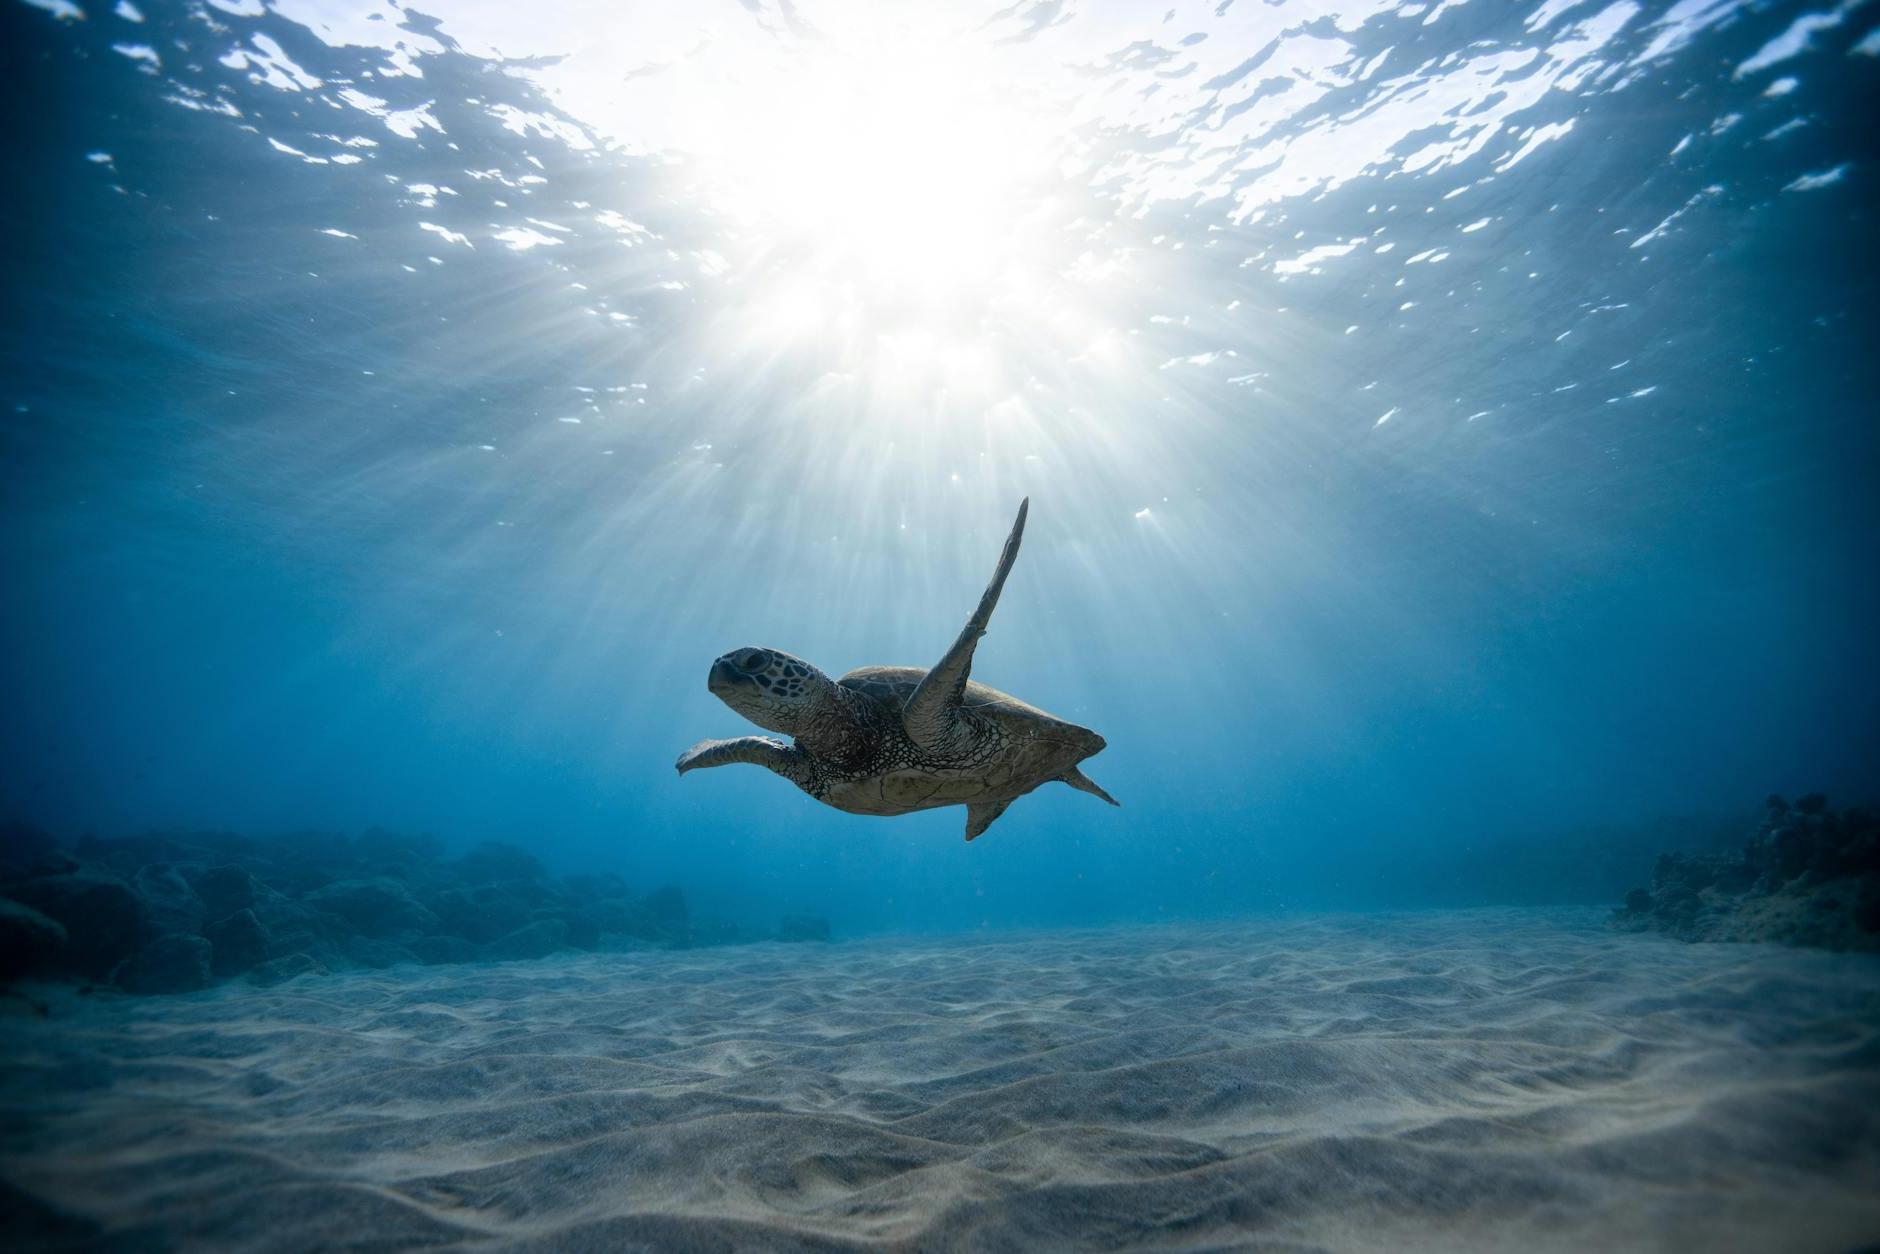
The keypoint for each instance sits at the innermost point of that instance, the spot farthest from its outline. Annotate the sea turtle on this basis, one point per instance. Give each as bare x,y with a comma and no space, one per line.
894,739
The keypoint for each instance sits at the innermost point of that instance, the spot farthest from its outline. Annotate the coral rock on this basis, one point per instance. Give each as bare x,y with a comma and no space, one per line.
1807,876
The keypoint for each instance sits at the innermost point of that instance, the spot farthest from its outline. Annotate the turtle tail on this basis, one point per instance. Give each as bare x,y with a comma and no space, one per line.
1083,783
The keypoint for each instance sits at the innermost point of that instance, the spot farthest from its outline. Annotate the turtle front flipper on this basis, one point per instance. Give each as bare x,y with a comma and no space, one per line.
983,815
761,751
930,715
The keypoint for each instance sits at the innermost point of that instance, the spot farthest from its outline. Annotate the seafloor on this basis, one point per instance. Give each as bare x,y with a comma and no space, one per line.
1507,1080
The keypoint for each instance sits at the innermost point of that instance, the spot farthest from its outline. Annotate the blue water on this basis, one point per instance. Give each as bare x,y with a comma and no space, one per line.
1446,426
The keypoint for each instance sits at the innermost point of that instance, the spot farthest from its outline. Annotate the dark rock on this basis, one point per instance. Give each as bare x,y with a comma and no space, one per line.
401,848
803,927
171,906
52,862
1867,906
288,920
379,907
538,940
494,861
374,953
168,964
661,917
314,901
439,950
617,914
285,968
301,862
240,941
102,917
225,889
29,941
125,854
584,930
23,847
480,914
592,888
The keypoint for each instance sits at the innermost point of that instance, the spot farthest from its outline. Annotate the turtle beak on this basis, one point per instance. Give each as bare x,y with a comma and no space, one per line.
724,677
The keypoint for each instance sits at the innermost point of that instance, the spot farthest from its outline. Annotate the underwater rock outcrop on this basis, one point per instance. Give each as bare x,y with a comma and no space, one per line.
171,913
240,942
173,963
102,917
29,940
1809,875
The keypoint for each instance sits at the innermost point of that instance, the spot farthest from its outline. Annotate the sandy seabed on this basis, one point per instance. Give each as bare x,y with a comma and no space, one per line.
1506,1080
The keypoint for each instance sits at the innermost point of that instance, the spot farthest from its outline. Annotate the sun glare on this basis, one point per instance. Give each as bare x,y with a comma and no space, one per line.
888,169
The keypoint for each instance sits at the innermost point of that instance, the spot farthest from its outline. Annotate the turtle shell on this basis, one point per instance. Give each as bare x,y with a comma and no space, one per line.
1019,748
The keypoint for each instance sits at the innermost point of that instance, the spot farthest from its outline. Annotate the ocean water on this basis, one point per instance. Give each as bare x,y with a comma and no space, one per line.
1450,437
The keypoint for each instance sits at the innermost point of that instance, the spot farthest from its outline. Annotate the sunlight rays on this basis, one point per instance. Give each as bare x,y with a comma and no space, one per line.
694,318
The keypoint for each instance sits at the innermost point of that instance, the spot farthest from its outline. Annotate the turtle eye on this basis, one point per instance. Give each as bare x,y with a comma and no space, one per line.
753,660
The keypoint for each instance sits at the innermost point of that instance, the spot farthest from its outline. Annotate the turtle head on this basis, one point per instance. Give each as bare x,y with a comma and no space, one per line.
778,692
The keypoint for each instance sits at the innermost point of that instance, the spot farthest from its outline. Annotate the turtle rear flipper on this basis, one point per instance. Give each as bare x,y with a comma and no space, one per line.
1083,783
931,715
982,815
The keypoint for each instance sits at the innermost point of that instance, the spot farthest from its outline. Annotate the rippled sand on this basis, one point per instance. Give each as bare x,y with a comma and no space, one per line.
1456,1081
